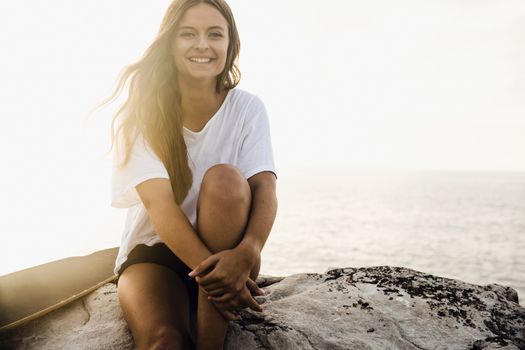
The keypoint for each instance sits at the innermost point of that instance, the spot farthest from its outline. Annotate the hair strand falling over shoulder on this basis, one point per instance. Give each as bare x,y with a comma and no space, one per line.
152,110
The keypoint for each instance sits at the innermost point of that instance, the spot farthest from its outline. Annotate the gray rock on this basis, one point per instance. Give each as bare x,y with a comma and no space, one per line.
94,322
352,308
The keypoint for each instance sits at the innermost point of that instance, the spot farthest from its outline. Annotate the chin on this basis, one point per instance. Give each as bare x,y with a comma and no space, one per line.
203,75
201,78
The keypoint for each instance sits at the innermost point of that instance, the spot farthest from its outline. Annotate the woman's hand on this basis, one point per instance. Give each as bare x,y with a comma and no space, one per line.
240,301
229,273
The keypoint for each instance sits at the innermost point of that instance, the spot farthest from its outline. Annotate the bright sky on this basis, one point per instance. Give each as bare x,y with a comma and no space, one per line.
375,84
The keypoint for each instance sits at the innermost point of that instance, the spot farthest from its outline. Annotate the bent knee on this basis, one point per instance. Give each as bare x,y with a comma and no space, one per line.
225,182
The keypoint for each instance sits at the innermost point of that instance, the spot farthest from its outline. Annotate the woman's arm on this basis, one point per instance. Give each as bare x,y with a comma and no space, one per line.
170,223
263,212
175,230
238,262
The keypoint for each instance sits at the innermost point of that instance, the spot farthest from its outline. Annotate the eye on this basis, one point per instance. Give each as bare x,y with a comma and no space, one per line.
216,34
186,34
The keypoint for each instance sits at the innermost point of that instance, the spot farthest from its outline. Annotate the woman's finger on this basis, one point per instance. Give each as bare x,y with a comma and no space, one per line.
204,265
214,287
223,298
254,288
230,316
252,304
244,299
216,292
209,280
226,314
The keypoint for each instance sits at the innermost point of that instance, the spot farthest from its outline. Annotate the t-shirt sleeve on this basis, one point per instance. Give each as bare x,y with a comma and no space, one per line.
143,164
256,154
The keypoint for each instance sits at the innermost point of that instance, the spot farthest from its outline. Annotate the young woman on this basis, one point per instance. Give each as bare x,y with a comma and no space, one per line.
194,165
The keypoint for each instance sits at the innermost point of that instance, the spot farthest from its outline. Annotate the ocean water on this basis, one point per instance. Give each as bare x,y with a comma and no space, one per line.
462,225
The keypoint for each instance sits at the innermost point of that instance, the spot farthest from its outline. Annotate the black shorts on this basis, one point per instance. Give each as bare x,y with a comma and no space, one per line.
160,254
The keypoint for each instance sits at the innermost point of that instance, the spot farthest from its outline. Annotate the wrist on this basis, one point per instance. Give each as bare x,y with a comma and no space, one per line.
248,249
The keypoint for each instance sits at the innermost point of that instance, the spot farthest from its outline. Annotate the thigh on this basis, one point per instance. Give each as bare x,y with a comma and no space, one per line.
153,299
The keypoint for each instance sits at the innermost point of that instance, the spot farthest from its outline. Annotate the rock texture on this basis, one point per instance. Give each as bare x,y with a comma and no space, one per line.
352,308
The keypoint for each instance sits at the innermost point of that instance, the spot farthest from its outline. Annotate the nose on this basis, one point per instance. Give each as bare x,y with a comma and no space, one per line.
202,43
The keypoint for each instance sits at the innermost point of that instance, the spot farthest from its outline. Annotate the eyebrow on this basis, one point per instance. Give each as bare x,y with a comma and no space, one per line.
210,28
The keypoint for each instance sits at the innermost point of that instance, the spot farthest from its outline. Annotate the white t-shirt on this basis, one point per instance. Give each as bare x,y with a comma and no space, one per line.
238,134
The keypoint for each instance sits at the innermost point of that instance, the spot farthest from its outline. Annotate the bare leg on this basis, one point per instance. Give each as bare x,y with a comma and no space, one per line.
156,312
222,214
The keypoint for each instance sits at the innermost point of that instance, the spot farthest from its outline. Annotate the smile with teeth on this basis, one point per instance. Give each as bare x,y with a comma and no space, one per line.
200,59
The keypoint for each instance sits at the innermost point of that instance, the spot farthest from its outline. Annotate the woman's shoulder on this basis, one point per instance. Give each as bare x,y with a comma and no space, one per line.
243,98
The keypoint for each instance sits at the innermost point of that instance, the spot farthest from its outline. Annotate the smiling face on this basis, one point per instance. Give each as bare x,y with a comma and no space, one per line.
200,44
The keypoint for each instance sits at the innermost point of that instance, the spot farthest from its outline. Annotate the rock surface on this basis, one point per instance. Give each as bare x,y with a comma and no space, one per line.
352,308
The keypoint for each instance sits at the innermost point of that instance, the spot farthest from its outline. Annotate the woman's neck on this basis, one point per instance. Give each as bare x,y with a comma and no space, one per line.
199,102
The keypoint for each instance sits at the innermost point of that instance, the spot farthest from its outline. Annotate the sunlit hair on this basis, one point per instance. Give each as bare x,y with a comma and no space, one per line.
153,106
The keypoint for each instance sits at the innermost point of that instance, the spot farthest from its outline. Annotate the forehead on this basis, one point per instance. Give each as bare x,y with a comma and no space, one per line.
203,16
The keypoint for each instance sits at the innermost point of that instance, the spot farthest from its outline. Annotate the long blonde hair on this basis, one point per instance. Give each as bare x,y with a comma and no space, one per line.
153,106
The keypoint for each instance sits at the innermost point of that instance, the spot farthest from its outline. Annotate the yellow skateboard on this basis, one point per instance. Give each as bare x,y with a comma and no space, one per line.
31,293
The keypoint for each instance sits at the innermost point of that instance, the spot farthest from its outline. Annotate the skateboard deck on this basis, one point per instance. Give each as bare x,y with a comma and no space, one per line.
28,294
